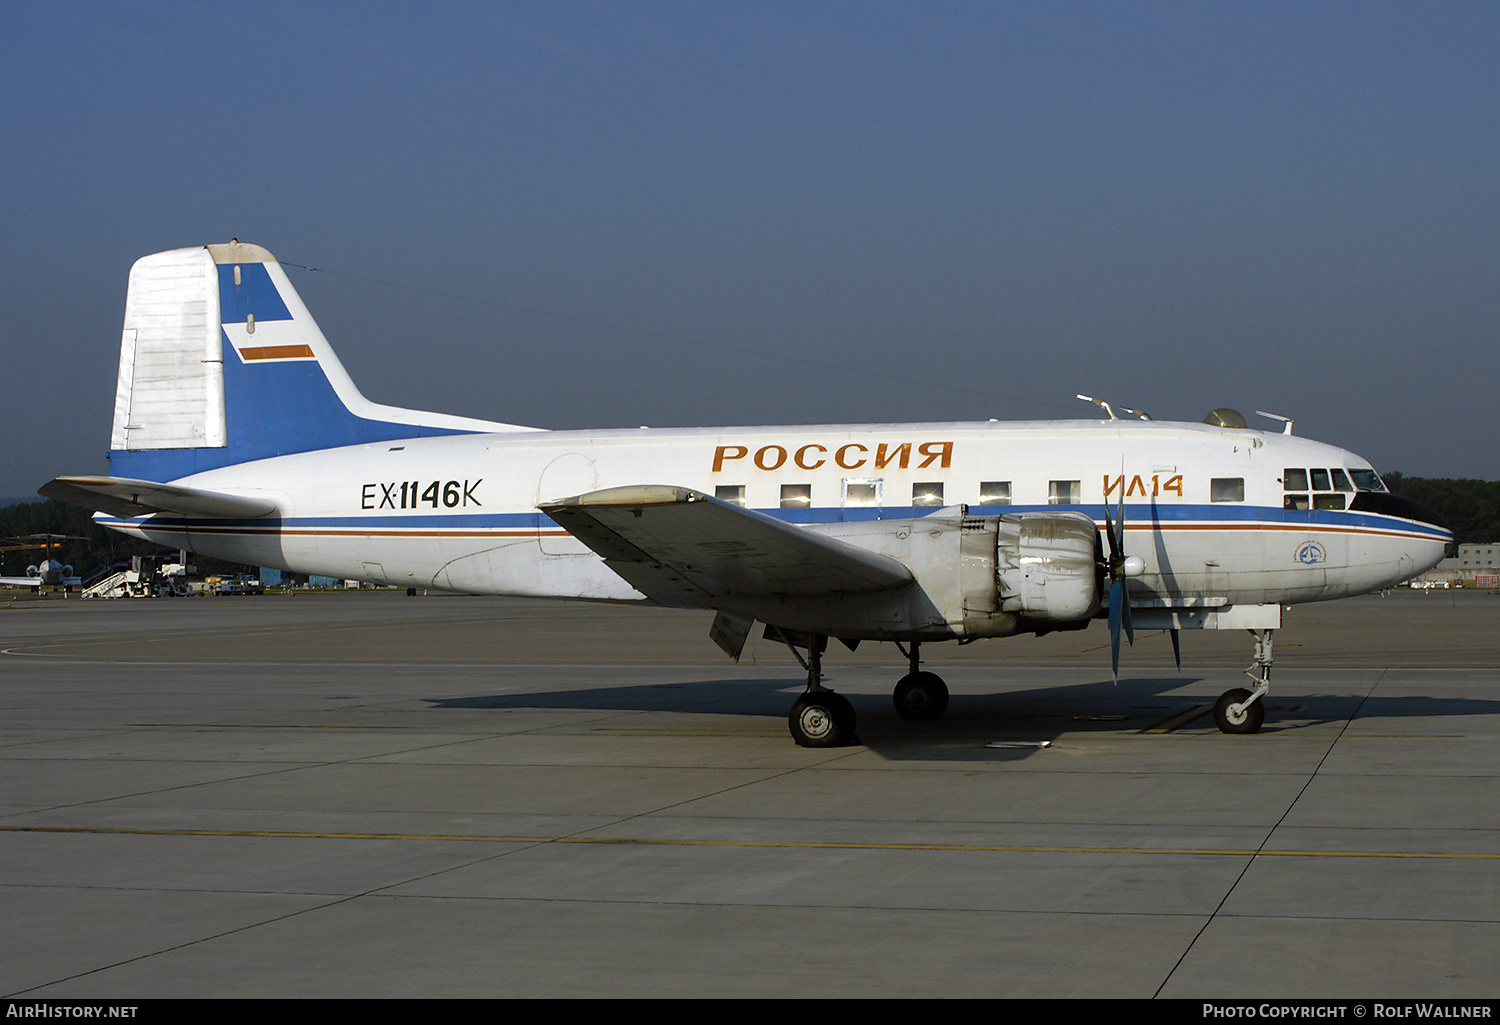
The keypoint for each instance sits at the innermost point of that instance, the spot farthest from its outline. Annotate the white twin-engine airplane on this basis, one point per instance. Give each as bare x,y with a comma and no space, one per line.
49,572
238,434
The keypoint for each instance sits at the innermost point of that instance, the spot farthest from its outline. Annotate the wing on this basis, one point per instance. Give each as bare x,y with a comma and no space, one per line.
20,582
681,547
121,496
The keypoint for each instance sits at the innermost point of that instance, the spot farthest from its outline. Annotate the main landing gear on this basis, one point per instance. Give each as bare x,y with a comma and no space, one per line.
823,718
820,717
919,696
1240,710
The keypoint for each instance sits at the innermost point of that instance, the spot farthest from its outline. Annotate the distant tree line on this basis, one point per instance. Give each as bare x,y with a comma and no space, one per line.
1471,507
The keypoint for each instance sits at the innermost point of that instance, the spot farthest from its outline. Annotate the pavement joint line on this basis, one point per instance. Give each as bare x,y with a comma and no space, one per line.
795,844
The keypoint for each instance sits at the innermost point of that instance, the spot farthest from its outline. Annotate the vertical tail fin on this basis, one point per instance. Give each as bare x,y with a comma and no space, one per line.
221,363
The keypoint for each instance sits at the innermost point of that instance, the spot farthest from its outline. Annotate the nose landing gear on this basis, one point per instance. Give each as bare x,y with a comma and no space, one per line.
1240,710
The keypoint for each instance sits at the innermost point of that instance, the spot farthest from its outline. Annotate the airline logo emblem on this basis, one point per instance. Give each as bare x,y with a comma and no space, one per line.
1310,553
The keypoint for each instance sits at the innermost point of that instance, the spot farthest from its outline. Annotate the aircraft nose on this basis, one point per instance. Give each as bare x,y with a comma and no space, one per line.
1426,515
1423,514
1383,503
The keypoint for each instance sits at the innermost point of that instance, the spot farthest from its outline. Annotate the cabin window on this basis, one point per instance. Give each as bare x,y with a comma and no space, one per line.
1294,480
1064,492
1367,480
1320,480
796,496
1295,502
1333,501
927,494
732,493
1340,480
994,492
1227,489
861,494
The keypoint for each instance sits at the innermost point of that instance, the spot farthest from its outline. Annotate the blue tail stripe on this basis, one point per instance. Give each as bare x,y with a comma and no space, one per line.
272,407
256,293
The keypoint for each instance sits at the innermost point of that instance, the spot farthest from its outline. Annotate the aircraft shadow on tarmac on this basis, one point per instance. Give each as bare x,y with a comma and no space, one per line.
1026,718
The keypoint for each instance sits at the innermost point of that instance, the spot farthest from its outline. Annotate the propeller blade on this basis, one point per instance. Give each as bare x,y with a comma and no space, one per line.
1120,516
1119,593
1109,532
1118,568
1177,650
1115,616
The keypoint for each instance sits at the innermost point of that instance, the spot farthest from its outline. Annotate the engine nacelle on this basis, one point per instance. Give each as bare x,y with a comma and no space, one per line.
1026,572
976,576
1048,566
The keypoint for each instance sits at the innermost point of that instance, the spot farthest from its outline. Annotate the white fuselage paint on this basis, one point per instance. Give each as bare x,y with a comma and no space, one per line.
460,512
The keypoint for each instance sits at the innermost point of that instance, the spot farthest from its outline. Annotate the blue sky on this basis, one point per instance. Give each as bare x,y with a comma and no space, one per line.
599,214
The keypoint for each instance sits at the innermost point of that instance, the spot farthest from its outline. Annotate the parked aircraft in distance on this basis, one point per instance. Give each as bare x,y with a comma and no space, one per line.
49,572
238,434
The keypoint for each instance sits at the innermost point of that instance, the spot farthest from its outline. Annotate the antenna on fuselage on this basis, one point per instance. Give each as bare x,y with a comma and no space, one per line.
1273,416
1111,409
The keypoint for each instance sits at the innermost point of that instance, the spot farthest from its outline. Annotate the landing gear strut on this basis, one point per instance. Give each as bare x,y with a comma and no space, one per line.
1240,710
820,717
919,696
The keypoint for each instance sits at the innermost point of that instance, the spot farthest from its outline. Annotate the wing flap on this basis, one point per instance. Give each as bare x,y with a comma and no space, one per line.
121,496
684,547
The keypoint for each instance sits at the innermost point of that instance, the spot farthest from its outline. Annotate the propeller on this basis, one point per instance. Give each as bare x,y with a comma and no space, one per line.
1121,567
1119,595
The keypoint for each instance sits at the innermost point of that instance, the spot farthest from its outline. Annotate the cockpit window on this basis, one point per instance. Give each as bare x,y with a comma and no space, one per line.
1329,488
1367,480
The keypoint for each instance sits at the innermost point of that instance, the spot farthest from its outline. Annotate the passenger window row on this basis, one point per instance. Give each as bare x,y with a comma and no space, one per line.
867,493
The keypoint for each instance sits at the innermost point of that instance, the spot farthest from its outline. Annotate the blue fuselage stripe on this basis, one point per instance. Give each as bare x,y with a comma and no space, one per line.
1165,517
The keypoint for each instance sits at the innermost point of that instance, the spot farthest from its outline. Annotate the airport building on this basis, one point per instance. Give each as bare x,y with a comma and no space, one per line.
1475,565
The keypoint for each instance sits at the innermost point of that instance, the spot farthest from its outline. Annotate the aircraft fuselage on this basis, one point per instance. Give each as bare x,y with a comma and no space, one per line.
1209,510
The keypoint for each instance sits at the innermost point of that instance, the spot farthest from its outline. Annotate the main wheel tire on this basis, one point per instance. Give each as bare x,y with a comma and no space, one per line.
1246,720
921,696
822,719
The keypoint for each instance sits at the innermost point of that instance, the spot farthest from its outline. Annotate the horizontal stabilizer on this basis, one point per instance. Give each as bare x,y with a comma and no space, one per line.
121,496
683,547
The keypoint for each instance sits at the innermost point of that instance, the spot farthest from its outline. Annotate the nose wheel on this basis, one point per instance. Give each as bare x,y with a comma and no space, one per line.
1236,712
1240,710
